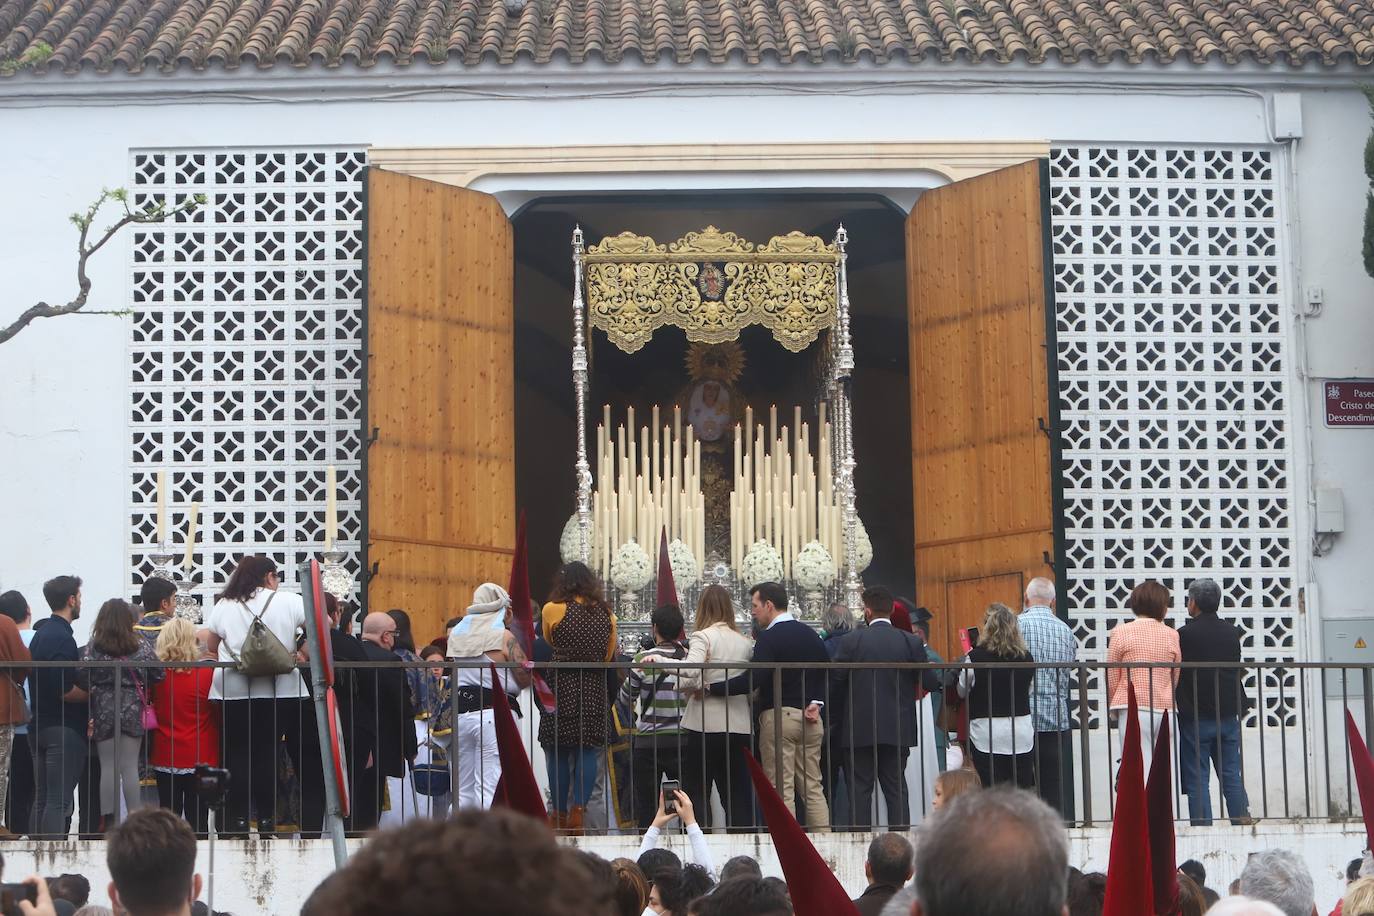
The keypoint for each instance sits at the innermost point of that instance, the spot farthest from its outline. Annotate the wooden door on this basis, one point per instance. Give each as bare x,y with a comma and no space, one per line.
440,397
982,466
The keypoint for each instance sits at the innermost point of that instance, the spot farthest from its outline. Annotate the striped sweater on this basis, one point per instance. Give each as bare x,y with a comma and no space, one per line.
654,693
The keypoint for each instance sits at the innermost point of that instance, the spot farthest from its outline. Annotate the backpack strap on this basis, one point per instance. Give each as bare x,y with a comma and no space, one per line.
256,617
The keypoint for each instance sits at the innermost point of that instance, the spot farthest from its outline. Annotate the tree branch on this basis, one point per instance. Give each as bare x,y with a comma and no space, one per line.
154,213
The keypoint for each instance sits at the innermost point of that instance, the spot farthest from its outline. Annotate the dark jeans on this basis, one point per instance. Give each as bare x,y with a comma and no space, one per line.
19,816
717,759
251,731
650,761
59,759
1054,771
1201,741
885,762
177,793
1003,769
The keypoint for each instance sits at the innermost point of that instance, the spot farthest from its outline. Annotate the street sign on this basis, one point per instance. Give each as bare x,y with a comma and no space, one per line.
1349,403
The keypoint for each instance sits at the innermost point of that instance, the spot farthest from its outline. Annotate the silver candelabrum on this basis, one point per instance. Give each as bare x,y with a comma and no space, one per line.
188,603
334,577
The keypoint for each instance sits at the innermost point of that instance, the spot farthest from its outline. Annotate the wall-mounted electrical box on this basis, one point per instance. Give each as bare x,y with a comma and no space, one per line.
1347,642
1330,510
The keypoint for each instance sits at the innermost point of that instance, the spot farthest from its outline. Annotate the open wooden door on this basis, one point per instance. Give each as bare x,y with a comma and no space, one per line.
440,397
981,366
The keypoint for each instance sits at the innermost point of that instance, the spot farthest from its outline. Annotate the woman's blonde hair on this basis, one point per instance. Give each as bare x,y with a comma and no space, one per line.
177,641
1000,634
1359,898
954,783
715,607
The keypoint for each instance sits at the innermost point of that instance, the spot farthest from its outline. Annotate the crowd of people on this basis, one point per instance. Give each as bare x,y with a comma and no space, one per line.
134,722
509,864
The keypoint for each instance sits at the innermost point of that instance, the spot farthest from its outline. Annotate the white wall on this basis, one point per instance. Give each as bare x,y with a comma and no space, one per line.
275,877
62,411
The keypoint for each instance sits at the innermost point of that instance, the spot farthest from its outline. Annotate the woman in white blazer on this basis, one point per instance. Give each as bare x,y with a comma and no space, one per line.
717,728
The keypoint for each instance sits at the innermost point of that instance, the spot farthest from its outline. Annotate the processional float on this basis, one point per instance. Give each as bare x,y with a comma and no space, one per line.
786,510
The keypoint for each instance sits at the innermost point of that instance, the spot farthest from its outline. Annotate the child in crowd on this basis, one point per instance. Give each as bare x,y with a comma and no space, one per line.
952,783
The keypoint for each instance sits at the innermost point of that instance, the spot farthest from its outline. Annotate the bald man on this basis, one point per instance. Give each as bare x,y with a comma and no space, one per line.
1050,641
393,728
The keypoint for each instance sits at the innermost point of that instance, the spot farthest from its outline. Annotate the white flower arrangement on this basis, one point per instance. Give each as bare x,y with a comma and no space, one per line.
630,568
864,546
569,540
761,564
684,564
813,568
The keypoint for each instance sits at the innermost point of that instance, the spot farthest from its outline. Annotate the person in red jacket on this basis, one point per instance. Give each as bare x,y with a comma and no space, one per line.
187,724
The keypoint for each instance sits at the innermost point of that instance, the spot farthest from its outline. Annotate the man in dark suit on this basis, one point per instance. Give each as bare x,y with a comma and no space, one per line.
878,706
383,698
889,867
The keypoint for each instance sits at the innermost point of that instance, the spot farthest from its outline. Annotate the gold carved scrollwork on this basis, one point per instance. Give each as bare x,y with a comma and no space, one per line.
712,284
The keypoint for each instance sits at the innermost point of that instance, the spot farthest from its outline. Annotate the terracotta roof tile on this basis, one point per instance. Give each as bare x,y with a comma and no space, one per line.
134,35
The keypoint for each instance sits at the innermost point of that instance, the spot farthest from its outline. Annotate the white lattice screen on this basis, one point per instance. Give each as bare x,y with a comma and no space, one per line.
246,358
1173,390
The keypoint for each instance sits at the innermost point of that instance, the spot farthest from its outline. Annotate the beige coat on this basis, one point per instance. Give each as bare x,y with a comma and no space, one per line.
717,643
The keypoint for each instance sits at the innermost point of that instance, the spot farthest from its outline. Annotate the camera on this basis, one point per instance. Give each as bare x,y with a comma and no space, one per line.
212,783
12,894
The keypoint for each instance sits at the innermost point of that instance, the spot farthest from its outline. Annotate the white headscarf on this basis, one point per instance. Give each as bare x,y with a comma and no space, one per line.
483,628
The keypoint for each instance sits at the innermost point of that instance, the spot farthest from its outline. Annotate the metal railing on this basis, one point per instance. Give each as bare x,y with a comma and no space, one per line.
408,734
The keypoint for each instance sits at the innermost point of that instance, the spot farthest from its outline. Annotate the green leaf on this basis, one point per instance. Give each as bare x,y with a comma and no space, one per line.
1368,247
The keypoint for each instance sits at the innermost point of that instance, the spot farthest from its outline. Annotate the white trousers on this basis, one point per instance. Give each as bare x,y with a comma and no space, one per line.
1150,724
479,760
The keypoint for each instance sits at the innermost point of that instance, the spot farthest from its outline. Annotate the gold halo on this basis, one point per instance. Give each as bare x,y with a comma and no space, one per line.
723,362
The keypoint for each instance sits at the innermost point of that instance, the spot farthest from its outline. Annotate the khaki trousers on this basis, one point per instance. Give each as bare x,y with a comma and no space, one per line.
797,750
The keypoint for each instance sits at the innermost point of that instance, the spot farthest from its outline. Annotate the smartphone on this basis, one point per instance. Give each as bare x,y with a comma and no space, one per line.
669,800
12,894
973,635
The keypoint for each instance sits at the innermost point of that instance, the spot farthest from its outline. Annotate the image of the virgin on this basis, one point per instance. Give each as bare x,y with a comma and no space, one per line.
709,411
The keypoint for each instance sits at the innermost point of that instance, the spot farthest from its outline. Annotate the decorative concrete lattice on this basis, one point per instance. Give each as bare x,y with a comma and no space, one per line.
246,357
1173,393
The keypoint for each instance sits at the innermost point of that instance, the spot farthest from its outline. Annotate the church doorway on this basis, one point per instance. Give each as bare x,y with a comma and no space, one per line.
658,374
470,404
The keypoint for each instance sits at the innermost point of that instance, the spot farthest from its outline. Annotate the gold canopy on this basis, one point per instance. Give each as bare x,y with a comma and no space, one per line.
712,284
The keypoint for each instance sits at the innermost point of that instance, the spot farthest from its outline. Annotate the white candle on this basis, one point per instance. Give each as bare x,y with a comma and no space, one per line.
331,507
772,422
191,536
162,506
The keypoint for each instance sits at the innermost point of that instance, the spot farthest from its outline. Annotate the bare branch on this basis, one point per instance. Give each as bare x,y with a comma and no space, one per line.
154,213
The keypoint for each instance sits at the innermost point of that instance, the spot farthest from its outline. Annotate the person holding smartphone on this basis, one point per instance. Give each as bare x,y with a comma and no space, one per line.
674,803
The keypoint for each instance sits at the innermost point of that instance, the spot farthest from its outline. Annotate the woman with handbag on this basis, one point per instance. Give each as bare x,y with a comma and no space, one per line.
253,628
118,726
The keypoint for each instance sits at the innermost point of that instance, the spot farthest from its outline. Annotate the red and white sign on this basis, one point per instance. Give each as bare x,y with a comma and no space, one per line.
1350,403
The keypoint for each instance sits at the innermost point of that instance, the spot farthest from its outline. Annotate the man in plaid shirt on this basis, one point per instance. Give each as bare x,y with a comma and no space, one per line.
1050,640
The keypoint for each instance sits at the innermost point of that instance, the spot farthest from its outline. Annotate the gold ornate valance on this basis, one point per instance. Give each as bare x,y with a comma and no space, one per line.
712,284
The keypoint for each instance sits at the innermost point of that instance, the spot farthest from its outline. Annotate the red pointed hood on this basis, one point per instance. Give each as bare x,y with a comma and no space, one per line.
518,789
1159,793
1363,766
1130,888
667,588
814,889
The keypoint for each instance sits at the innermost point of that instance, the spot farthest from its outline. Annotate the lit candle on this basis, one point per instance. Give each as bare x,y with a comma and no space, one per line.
162,506
191,536
331,507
